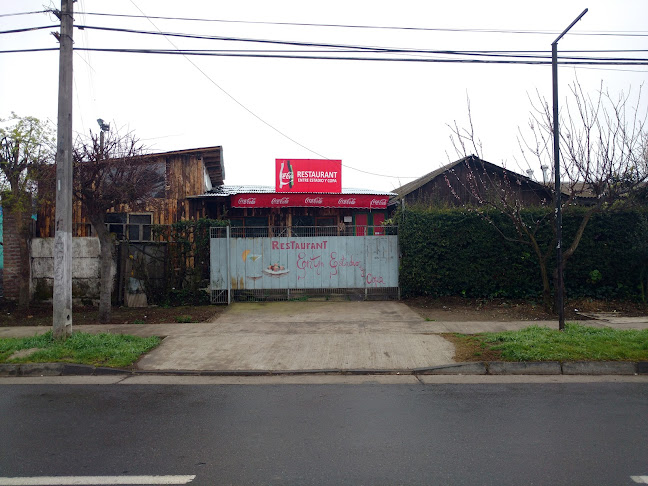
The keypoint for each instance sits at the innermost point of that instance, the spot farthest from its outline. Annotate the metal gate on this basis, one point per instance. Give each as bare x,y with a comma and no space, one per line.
300,262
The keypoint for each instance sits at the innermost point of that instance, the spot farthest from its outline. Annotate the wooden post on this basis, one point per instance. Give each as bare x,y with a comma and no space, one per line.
62,315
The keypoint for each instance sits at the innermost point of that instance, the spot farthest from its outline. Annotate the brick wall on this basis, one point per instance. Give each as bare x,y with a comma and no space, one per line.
11,242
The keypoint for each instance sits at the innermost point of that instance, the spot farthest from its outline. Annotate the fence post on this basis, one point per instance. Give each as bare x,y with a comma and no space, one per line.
229,270
364,238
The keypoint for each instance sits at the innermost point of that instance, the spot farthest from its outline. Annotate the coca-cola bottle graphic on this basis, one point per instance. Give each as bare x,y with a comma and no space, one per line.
286,178
292,175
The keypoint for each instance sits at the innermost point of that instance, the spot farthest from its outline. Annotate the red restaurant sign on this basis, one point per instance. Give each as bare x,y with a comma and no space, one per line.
308,175
262,200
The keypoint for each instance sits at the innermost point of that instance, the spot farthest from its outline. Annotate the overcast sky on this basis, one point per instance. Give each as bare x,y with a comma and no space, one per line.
388,118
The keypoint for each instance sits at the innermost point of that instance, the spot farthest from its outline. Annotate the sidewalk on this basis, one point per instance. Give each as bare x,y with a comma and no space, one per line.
346,337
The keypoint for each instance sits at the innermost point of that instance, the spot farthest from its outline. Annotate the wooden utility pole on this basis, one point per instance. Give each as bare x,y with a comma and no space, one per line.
62,316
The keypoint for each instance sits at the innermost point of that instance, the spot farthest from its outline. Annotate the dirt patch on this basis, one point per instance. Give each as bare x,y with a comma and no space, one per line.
467,348
23,353
41,315
502,310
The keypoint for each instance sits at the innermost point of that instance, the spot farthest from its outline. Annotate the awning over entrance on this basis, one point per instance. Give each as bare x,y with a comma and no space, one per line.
283,200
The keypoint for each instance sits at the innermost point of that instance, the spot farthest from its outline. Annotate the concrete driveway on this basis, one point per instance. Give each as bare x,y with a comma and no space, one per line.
303,336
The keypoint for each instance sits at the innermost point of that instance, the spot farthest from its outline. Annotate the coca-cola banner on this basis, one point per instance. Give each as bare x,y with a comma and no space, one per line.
366,201
308,175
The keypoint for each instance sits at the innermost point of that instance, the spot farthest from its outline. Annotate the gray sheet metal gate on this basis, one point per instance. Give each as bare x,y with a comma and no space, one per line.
289,267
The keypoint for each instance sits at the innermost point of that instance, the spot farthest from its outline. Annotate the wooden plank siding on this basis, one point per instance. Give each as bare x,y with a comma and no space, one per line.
467,182
184,176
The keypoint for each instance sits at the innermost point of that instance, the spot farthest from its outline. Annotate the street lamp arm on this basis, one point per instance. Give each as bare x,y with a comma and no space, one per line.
570,26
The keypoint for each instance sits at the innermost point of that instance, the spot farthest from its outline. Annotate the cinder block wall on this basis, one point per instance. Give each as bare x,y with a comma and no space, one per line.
85,268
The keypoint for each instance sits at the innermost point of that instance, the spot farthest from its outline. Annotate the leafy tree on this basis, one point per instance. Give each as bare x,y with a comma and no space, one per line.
26,145
111,174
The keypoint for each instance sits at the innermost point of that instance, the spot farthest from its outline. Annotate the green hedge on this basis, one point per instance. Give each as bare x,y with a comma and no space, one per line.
459,252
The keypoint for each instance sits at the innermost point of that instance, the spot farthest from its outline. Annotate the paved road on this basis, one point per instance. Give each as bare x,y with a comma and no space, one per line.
483,434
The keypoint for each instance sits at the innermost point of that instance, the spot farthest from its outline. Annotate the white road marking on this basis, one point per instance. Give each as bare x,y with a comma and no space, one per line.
94,480
640,479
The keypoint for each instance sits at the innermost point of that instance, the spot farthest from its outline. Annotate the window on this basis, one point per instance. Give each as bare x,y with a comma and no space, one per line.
326,226
131,226
249,227
115,223
139,227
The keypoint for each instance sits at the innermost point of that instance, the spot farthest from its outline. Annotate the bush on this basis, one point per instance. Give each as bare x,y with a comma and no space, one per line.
178,273
459,252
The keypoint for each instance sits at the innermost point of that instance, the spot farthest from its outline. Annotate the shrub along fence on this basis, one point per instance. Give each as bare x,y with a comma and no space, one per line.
459,252
174,268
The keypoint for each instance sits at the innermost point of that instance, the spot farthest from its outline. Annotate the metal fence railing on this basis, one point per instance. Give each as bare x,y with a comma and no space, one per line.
311,231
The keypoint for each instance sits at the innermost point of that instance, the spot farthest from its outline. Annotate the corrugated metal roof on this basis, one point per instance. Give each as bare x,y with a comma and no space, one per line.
224,191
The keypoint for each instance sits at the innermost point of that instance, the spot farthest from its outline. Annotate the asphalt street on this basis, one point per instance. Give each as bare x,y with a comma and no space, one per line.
367,434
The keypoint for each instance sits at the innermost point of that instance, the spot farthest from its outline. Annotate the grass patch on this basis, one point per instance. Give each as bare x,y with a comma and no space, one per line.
112,350
575,343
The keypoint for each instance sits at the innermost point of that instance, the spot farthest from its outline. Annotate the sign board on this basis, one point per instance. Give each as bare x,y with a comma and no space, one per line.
262,200
308,175
304,262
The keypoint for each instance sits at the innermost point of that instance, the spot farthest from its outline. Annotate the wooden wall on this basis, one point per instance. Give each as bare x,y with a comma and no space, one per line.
184,176
465,185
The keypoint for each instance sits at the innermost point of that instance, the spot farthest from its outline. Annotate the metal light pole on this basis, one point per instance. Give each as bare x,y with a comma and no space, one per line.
560,287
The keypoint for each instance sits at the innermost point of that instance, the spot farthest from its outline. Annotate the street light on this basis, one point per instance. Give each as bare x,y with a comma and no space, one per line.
103,127
560,288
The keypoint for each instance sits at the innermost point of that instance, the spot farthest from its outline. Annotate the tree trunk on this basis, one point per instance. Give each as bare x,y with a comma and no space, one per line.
547,301
24,232
107,252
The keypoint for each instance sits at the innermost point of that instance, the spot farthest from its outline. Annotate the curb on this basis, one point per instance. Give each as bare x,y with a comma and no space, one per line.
467,368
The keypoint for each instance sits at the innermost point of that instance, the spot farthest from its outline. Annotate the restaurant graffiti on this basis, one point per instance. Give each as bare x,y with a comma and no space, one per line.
307,263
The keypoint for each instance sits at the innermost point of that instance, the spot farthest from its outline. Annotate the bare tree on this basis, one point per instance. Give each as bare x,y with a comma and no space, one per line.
604,159
26,145
112,174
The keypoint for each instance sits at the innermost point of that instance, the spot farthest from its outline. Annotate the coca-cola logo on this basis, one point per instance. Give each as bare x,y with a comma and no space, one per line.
378,202
282,200
314,200
247,200
348,201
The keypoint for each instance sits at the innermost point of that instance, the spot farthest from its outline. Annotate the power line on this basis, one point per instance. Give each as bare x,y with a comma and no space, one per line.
378,27
352,26
24,13
28,29
251,112
291,55
327,45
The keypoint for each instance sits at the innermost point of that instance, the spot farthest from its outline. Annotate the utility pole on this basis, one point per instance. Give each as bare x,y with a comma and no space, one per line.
62,316
560,284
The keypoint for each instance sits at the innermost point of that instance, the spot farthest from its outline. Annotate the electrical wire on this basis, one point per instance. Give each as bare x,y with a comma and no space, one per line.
275,55
381,27
29,29
24,13
254,114
344,46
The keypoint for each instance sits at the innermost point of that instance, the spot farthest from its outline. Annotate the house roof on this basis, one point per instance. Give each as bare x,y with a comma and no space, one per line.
231,190
212,158
406,189
421,181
